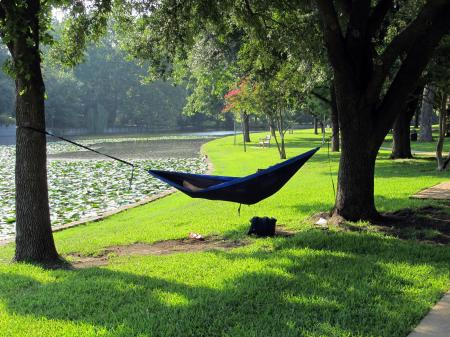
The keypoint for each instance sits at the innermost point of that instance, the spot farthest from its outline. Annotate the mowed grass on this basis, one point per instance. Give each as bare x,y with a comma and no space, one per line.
317,283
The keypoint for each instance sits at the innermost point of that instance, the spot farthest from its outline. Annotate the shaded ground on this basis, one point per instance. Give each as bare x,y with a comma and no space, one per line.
429,223
140,149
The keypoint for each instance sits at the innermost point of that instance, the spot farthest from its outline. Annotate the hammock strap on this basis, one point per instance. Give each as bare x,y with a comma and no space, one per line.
84,147
329,164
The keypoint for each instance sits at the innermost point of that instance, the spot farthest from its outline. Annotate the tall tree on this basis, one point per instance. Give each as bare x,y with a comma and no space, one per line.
368,101
24,26
20,27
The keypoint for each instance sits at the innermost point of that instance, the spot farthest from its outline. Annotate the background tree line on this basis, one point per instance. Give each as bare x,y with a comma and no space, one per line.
108,91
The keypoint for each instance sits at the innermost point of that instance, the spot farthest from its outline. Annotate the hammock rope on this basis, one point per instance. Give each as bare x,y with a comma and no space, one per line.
246,190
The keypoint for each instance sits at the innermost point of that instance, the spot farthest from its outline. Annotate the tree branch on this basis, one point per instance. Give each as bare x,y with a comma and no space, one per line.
345,5
411,69
321,97
377,16
402,42
335,43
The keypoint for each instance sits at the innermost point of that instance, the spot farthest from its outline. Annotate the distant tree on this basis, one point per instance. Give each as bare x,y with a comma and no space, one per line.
439,76
426,114
401,147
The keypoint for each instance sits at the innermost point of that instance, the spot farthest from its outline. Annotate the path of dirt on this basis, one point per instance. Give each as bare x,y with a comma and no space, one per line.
440,192
162,248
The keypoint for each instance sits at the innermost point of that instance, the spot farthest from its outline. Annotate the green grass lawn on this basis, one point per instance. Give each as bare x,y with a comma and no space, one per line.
317,283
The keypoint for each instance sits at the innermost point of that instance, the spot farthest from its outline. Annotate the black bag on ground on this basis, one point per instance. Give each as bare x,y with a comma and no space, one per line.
262,226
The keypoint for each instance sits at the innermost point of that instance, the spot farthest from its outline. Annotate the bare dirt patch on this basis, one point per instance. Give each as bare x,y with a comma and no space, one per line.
157,248
165,248
429,223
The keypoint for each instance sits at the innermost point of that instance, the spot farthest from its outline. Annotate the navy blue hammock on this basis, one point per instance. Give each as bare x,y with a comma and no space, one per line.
246,190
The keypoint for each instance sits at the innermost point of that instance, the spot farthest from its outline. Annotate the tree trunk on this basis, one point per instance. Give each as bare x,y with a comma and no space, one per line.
34,239
334,122
416,117
442,164
401,147
272,128
246,127
315,126
355,188
426,115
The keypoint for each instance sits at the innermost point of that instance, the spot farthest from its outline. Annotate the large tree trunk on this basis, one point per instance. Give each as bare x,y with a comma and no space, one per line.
334,122
355,190
34,240
401,147
426,115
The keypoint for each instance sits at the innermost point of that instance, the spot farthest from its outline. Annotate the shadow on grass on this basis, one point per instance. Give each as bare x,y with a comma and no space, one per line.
315,284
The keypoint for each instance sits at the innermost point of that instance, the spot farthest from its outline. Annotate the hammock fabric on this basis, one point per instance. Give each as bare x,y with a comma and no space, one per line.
244,190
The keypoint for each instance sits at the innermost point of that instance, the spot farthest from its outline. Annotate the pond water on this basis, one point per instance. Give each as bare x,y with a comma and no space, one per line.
83,184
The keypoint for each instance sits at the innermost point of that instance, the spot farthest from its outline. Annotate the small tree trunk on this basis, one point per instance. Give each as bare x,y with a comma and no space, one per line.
334,122
442,164
315,126
282,147
34,240
272,128
416,117
246,127
426,115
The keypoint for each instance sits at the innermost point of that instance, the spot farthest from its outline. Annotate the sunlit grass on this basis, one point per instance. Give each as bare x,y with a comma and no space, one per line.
317,283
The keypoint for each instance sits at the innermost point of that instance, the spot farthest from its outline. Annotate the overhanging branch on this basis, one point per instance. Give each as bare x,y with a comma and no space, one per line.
334,39
377,16
411,69
403,41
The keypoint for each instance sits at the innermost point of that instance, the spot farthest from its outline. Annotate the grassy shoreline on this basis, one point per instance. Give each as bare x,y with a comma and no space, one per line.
317,283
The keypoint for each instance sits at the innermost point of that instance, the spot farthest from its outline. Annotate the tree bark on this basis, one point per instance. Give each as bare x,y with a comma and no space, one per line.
355,188
246,127
34,239
315,126
272,128
442,164
334,122
417,117
426,115
401,147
